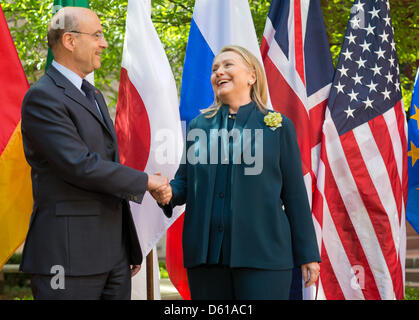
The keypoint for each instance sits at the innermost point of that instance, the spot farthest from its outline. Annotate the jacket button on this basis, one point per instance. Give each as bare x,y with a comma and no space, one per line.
221,194
220,228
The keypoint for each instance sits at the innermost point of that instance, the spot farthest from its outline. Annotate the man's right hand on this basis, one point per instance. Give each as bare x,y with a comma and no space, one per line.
163,194
155,181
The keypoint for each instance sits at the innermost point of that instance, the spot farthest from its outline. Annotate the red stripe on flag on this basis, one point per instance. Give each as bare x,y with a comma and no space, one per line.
133,125
316,115
347,233
401,121
287,102
331,286
12,77
298,35
174,258
382,137
317,206
264,48
375,209
401,118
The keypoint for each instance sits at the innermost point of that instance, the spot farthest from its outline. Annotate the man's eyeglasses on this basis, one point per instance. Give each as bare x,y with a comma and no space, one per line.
97,35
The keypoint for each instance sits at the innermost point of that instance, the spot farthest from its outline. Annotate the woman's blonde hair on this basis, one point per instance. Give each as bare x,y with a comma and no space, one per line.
258,91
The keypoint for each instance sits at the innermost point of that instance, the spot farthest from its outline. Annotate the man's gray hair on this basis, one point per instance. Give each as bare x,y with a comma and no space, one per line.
63,21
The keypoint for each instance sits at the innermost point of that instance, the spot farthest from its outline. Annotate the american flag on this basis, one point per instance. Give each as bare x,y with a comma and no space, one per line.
362,176
299,70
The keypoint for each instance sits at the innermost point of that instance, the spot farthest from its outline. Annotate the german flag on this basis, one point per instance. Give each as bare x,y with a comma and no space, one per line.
15,183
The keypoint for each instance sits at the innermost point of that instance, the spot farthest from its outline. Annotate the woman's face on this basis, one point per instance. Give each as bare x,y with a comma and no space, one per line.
231,78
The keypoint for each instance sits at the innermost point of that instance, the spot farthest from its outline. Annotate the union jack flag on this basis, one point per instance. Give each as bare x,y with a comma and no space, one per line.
362,175
299,70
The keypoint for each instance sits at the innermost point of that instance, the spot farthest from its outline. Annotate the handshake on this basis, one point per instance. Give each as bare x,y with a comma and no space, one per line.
159,188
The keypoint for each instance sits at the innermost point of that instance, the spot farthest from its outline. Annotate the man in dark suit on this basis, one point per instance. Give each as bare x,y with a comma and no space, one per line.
82,242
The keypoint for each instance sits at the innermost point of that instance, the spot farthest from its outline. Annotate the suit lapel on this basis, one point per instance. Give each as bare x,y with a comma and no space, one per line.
218,122
73,93
105,113
244,114
108,121
247,118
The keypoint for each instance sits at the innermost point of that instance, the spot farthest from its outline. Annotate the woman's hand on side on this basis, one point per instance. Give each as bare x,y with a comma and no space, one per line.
311,269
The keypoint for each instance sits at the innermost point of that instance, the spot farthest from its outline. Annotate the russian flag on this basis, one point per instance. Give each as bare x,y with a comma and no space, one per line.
148,125
215,24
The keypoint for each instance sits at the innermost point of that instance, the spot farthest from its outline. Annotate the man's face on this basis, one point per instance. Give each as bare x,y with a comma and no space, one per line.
89,43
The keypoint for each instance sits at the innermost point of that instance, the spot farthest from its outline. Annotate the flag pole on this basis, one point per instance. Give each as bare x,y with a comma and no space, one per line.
150,276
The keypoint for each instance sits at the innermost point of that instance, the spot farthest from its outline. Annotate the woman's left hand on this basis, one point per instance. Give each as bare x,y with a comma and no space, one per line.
314,269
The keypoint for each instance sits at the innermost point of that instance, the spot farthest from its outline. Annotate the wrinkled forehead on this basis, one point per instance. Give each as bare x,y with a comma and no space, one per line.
89,21
76,17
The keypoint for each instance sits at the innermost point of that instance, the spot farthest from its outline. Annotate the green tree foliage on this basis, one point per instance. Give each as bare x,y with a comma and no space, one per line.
28,21
172,19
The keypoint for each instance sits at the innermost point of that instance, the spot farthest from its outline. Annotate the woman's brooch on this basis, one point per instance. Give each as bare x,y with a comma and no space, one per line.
273,120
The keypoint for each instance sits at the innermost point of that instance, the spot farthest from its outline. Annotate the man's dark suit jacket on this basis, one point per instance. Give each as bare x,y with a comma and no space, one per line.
81,218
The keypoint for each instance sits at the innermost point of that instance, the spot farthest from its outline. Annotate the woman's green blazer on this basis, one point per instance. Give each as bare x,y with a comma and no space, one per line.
271,222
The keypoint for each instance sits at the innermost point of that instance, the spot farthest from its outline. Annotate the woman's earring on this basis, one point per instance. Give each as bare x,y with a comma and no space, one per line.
250,82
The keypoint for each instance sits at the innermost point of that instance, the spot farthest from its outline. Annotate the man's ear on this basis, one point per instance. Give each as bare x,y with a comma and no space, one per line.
68,41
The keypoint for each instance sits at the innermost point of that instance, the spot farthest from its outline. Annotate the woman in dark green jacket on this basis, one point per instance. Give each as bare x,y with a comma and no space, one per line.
247,219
